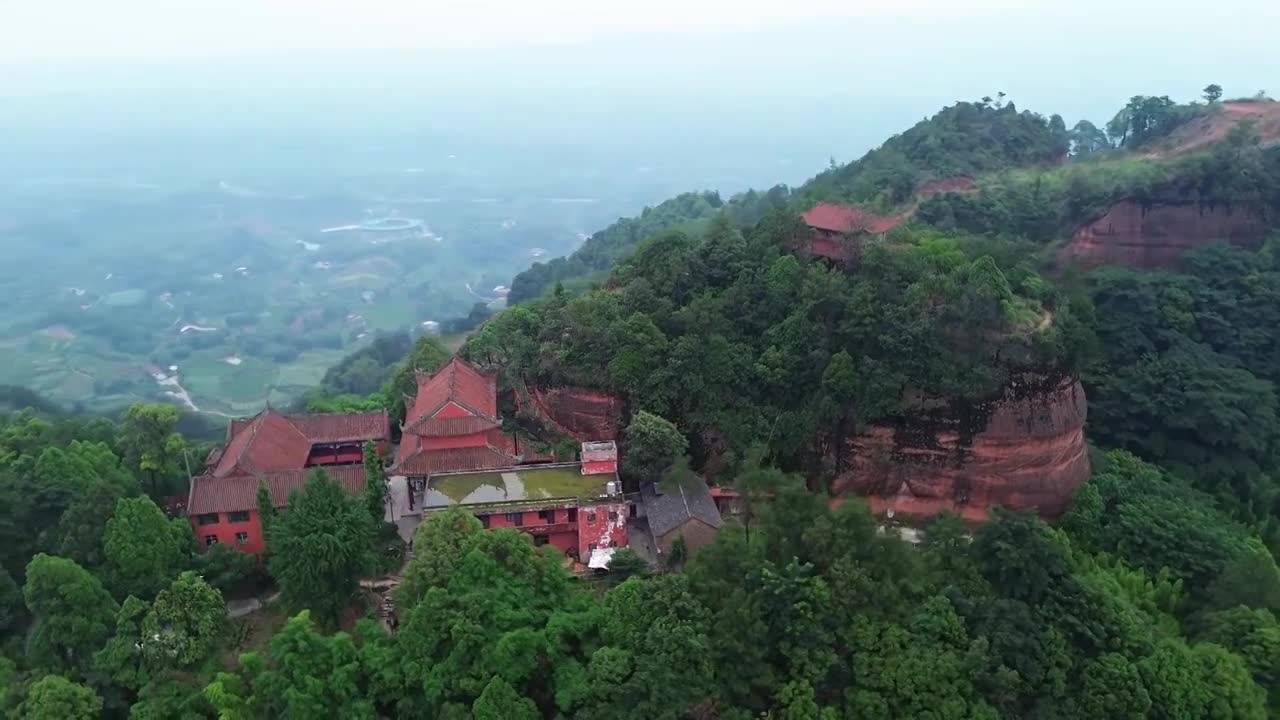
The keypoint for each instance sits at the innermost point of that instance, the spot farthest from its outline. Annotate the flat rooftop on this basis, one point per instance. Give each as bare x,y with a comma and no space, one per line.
516,485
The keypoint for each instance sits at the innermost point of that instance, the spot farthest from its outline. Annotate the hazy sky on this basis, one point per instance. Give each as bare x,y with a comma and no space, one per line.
865,69
68,29
164,29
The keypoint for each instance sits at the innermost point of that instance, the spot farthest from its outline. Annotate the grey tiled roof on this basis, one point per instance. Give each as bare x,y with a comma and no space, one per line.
678,499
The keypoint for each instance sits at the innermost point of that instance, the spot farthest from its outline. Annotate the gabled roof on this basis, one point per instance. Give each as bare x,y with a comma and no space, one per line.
848,219
327,428
451,426
210,494
272,442
677,499
427,462
460,383
268,443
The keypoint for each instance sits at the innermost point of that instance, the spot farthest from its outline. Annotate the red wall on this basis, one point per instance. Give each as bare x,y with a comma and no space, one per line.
601,531
600,468
561,534
226,530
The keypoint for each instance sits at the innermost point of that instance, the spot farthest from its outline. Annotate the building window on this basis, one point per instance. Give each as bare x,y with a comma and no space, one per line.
210,540
548,516
516,519
573,514
242,538
540,540
207,519
238,517
591,518
484,521
613,516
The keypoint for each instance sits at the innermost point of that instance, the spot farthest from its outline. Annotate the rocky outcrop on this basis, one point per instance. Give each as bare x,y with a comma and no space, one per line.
937,186
580,413
1155,236
1024,451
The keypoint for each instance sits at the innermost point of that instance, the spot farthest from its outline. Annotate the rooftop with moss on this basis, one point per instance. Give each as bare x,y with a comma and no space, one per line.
517,485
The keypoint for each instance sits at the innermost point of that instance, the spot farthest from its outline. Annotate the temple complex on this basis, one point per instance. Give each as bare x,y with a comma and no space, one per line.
453,451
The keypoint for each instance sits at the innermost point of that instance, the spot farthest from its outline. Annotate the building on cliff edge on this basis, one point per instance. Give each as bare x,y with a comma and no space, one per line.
836,232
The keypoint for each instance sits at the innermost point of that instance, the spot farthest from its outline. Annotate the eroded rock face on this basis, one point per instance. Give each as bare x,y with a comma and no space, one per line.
1029,455
580,413
1156,236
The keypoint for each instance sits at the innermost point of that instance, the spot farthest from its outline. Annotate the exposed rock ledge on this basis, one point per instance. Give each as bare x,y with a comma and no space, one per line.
1029,455
578,412
1155,236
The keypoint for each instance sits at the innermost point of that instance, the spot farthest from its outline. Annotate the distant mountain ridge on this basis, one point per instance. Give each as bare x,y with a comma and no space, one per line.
982,167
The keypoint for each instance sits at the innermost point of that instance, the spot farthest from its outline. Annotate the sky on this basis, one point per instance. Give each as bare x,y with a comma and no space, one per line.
164,29
873,67
63,30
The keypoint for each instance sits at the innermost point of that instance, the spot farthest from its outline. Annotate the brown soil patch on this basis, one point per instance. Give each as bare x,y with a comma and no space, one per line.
1211,128
959,183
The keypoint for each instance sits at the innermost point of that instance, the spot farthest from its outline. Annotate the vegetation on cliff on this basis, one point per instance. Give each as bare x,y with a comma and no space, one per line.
738,342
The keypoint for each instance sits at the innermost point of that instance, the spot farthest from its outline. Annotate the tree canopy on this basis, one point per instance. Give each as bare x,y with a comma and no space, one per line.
319,548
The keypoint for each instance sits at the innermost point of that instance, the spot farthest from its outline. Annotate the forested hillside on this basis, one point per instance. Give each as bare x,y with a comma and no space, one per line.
986,167
1152,594
739,342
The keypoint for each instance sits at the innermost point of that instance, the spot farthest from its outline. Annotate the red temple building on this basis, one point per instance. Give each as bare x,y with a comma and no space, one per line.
835,230
279,450
454,452
452,424
583,516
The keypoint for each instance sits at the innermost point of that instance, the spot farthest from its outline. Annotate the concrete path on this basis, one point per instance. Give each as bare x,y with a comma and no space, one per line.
240,608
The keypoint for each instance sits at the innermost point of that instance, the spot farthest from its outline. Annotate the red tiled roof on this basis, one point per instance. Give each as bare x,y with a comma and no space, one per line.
268,443
343,427
425,462
211,494
273,442
846,219
457,382
449,427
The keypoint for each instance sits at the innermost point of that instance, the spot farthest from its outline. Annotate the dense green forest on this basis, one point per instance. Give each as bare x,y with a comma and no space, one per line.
1145,601
1154,596
737,341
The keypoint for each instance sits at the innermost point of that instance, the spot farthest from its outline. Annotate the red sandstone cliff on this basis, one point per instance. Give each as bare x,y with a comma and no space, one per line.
1030,455
580,413
1156,236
